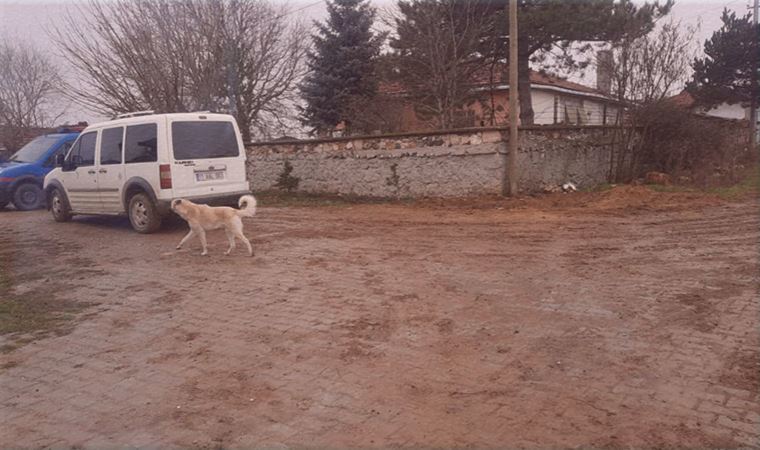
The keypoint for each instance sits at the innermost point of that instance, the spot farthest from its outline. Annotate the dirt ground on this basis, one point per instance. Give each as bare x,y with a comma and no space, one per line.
622,319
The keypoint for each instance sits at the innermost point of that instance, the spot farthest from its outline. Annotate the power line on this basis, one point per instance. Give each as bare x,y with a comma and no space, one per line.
723,6
299,9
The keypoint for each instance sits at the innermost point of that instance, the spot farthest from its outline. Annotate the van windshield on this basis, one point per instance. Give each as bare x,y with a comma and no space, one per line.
32,151
200,140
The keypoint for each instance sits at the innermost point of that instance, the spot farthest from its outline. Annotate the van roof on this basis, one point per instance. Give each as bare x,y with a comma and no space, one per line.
154,117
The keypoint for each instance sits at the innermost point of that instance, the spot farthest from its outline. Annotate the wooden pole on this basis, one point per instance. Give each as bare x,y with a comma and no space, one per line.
754,88
514,105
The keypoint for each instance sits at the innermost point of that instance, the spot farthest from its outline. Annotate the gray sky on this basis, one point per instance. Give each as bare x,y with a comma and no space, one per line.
27,20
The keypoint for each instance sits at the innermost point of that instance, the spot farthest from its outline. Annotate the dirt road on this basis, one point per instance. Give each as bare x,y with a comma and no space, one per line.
622,319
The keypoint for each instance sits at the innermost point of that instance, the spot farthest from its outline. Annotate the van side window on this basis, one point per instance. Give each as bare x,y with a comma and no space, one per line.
110,146
74,149
142,143
85,149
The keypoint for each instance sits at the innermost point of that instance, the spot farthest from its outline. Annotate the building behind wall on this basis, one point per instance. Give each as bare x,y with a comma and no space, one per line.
555,101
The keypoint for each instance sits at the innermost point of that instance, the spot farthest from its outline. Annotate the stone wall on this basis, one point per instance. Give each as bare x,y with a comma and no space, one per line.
550,157
454,163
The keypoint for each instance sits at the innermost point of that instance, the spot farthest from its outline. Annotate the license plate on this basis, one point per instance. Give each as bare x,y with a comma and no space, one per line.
209,176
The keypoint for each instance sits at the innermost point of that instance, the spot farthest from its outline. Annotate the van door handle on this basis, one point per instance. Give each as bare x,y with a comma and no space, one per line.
91,172
102,171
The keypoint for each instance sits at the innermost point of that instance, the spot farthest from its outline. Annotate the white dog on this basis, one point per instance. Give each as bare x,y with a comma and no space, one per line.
202,218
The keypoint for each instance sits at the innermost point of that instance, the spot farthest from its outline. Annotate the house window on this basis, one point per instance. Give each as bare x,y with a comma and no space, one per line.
573,111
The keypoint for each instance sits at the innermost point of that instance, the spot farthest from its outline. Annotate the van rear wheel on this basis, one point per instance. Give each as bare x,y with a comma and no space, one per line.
143,214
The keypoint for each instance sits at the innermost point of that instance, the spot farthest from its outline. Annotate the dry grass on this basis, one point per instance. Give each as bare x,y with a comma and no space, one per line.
33,313
747,187
274,198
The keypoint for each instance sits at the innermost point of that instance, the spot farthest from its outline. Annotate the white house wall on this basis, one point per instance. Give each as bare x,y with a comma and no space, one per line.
591,110
543,107
727,111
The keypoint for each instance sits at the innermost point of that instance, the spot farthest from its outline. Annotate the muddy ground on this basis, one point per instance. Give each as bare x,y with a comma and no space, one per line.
626,318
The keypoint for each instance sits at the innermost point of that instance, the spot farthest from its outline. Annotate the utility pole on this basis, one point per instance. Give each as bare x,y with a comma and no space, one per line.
514,105
753,90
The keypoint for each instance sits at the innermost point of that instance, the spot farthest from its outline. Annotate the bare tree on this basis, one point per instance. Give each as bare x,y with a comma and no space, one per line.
28,87
242,57
649,68
643,72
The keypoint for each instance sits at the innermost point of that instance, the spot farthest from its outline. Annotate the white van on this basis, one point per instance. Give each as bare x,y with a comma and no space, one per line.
138,163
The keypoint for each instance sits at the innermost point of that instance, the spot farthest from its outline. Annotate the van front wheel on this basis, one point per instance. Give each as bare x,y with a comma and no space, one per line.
143,214
59,206
28,196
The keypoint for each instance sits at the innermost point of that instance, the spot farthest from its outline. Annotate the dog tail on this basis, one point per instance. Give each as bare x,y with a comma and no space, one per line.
247,205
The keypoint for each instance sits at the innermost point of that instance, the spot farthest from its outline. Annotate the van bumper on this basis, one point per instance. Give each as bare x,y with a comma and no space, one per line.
5,193
225,199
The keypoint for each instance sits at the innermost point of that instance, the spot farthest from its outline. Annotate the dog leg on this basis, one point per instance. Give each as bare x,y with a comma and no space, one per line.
184,239
241,236
202,235
231,238
237,230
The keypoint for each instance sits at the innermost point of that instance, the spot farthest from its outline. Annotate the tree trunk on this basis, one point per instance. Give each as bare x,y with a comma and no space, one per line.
244,124
523,85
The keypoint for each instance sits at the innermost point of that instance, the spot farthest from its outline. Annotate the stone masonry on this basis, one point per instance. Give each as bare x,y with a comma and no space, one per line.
455,163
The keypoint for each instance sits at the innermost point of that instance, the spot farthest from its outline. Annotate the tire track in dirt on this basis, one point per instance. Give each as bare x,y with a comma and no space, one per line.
587,325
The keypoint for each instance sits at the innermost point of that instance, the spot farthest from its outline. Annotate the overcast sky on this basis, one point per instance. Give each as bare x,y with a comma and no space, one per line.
27,20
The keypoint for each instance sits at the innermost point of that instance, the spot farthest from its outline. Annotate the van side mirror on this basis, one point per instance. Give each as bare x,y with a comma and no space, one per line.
71,163
60,159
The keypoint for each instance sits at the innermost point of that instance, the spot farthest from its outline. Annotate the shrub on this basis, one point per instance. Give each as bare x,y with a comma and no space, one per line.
687,146
285,180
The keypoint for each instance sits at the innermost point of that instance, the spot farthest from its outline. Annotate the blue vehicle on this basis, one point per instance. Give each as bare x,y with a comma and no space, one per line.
22,175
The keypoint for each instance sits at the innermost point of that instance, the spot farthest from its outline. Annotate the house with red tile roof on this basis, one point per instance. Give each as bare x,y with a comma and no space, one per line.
735,111
555,101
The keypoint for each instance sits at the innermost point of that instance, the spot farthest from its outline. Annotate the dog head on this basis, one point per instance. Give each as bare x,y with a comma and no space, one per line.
177,205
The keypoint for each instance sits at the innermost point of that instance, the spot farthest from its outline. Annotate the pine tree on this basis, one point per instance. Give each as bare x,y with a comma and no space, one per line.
725,73
341,66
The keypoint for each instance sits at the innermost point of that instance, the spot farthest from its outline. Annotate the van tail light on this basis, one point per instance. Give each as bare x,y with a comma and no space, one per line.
165,175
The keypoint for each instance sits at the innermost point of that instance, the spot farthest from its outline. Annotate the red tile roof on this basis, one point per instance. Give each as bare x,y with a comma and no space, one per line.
682,100
548,80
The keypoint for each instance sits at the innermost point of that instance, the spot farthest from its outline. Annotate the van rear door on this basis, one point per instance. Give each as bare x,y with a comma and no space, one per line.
208,157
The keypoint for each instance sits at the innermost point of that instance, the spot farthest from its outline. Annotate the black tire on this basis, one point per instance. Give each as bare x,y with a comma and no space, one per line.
59,206
28,196
143,214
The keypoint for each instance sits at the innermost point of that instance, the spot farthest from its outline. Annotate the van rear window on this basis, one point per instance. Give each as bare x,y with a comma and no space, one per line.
200,140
